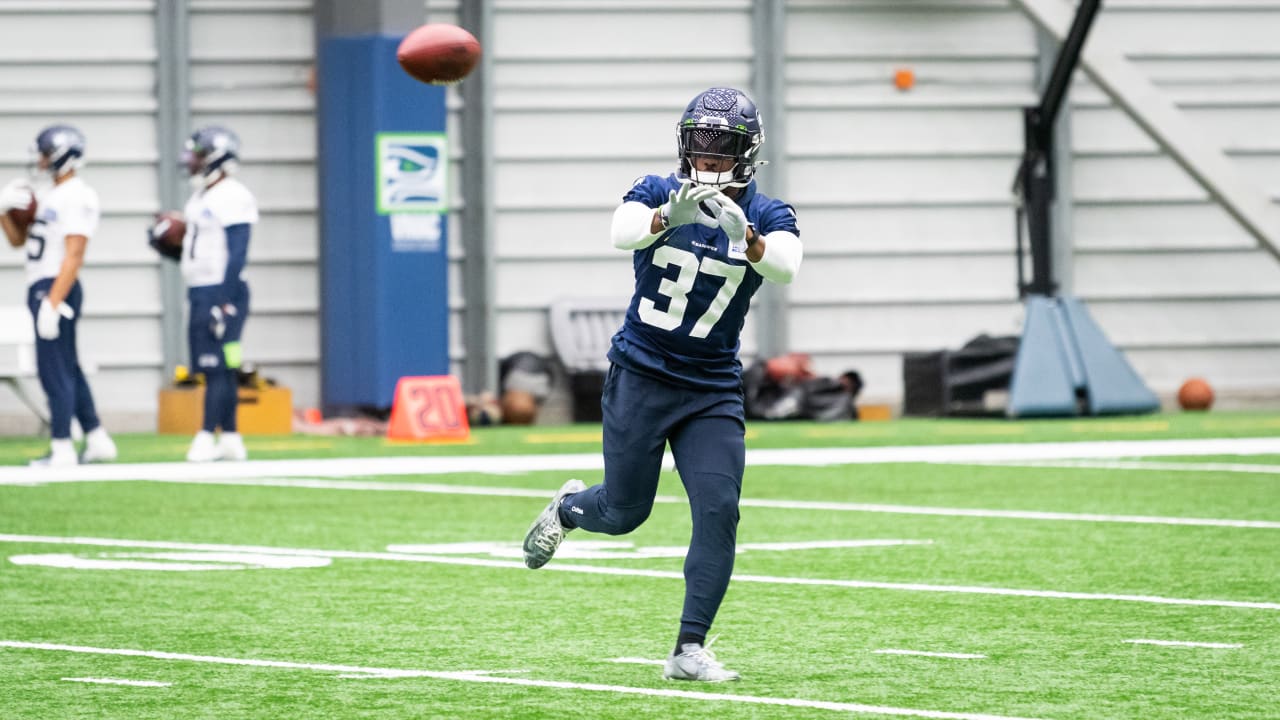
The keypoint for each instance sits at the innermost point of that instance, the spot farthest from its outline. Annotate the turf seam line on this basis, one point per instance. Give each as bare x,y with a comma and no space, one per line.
923,653
1187,643
118,681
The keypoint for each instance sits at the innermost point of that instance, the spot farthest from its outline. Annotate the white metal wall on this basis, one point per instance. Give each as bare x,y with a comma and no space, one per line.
93,64
587,98
250,63
1165,270
903,197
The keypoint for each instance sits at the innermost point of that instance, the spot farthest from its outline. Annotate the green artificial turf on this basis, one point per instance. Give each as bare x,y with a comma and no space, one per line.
792,633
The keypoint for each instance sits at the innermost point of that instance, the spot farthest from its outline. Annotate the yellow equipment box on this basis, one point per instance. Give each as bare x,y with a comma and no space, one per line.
266,411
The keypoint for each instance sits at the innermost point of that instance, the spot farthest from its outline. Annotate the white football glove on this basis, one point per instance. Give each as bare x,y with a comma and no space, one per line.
48,317
682,208
218,316
15,194
730,217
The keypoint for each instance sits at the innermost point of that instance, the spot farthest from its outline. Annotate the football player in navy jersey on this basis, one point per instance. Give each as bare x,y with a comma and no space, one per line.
66,217
702,242
219,216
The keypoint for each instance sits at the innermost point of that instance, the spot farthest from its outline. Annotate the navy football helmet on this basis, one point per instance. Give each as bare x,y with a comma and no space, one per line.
62,149
722,123
210,150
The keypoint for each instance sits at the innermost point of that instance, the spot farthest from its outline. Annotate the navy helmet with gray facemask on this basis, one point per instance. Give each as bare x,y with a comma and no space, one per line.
61,147
722,123
211,152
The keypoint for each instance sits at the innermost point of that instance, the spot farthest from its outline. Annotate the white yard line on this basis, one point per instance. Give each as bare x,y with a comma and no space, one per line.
519,464
1181,643
954,656
118,681
1139,465
483,490
635,572
473,677
638,661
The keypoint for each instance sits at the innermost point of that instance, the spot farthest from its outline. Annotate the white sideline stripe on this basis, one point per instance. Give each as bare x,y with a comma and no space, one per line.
956,656
1181,643
444,489
634,572
117,681
1142,465
499,680
519,464
638,661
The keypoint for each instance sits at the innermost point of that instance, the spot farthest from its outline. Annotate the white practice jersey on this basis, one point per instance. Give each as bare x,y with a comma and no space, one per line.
208,213
61,210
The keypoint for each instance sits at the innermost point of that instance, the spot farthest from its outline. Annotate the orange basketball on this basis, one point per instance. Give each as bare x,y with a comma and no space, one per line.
1195,394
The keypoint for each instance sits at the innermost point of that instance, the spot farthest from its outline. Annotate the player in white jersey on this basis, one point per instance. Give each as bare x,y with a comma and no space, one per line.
219,217
66,217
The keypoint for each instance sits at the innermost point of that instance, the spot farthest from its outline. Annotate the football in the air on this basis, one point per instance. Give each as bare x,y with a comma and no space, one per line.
23,217
169,229
438,53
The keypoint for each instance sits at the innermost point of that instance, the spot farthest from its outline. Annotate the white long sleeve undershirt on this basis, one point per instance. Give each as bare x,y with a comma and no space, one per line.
782,255
631,223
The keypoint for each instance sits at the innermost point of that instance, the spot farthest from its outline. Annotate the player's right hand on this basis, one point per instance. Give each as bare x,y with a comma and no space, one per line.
682,208
48,319
15,194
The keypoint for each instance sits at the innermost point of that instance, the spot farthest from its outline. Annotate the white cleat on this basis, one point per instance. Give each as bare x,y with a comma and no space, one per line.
98,447
697,663
203,448
545,534
231,447
62,453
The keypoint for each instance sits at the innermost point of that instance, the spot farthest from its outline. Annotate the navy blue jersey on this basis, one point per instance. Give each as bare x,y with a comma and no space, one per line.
692,293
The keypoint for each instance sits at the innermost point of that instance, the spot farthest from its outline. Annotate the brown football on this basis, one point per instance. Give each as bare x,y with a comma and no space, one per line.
438,53
23,217
169,229
1195,394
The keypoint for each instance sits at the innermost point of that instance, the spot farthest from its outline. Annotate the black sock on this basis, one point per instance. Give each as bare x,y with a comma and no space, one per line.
566,520
688,637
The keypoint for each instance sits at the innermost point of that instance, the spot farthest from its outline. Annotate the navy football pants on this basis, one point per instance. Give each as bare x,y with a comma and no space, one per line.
706,430
58,366
218,358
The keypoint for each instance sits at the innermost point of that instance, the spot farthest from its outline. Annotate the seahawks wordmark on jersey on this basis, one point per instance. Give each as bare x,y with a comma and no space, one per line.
70,208
209,212
692,293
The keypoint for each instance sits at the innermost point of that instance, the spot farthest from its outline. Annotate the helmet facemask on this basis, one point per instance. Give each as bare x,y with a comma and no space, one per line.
730,152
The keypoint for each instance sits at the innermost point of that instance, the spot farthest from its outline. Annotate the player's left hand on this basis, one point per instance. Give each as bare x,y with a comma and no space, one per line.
48,318
730,217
